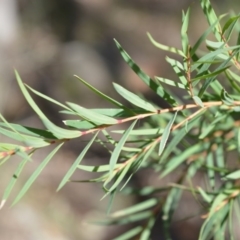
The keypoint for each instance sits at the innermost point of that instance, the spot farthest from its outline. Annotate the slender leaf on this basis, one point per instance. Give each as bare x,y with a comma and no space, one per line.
28,140
198,101
76,163
169,207
233,175
177,138
164,47
92,116
211,79
147,231
149,81
203,37
49,99
171,82
57,131
134,99
185,21
166,134
79,124
101,168
119,178
104,96
14,179
118,148
129,234
211,17
136,208
35,174
35,132
204,195
210,171
177,160
229,27
179,70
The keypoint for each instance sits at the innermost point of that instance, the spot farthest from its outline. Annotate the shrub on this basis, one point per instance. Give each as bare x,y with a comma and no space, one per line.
191,138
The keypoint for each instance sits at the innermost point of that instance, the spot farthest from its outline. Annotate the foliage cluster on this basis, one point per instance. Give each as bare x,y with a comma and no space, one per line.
192,137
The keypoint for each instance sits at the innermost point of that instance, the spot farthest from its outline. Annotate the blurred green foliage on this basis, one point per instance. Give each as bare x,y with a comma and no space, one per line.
189,142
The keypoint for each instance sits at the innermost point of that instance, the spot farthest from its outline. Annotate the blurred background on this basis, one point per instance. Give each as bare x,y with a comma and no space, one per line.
50,41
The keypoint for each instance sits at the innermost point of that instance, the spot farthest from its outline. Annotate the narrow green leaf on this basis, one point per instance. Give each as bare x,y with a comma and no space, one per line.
22,154
133,98
220,158
184,36
150,131
95,180
104,96
91,115
171,82
35,174
112,112
118,148
204,195
216,203
76,163
212,225
145,78
29,141
179,70
126,182
211,17
177,160
208,129
209,58
169,207
143,157
3,160
127,220
49,99
136,208
8,125
119,179
34,132
226,99
210,171
203,37
57,131
232,81
147,231
129,234
164,47
231,219
145,191
198,101
110,203
233,175
229,27
12,182
118,112
101,168
79,124
212,74
166,134
177,138
211,79
215,45
8,146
